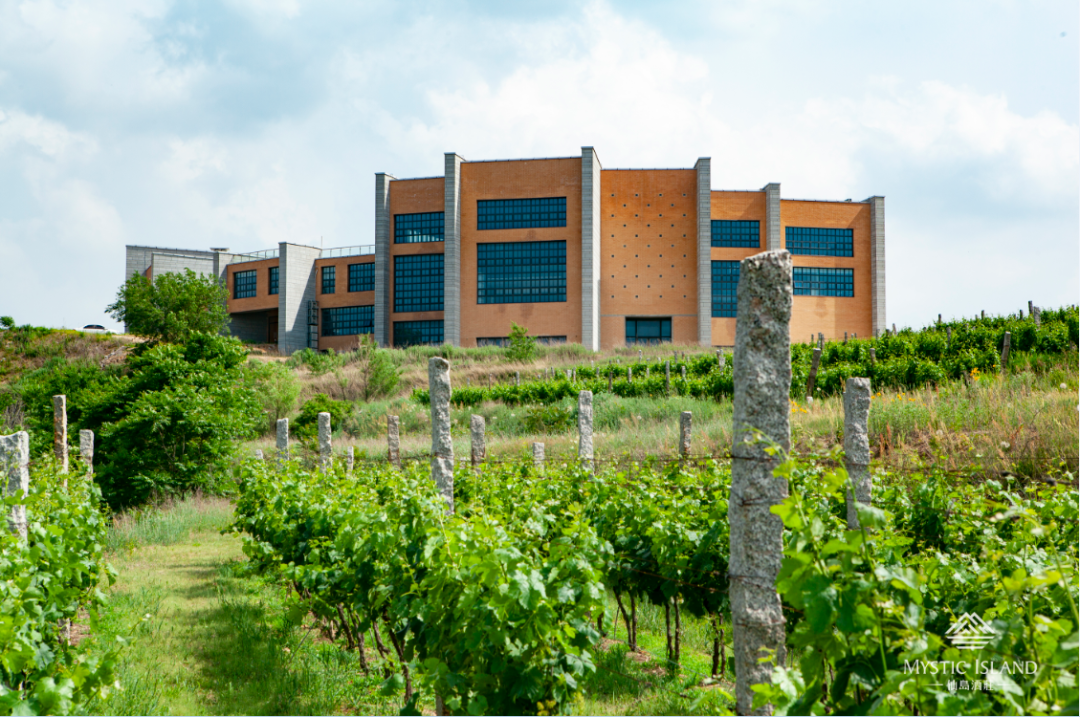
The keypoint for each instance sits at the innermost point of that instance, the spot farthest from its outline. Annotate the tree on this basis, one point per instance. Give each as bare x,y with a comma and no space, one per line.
522,346
172,307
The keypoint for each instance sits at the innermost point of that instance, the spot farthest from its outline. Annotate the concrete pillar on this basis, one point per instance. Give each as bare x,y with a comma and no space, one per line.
479,447
1031,309
761,418
258,454
326,459
948,338
517,378
857,446
452,250
877,263
86,449
590,249
60,442
442,444
873,357
383,240
629,373
667,377
283,438
721,358
682,372
703,170
585,429
350,460
1038,317
393,441
812,378
15,467
685,422
609,380
538,454
772,216
1005,351
296,287
640,355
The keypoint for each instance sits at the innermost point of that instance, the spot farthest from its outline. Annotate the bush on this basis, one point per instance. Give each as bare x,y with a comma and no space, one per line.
307,425
172,306
278,391
522,346
317,363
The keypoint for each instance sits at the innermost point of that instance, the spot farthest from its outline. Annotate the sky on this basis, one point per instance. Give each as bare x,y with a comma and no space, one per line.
244,123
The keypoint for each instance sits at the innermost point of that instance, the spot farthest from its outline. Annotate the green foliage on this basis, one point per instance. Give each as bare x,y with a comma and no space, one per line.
278,390
171,307
307,424
548,419
44,582
6,322
522,346
318,363
379,374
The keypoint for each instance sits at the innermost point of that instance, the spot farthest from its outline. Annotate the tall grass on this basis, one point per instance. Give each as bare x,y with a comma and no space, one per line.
167,522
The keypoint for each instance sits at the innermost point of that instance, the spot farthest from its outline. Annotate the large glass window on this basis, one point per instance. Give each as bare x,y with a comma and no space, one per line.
725,284
822,281
348,320
813,241
274,274
521,272
417,228
520,213
743,233
413,333
418,282
505,340
244,283
362,277
329,279
648,331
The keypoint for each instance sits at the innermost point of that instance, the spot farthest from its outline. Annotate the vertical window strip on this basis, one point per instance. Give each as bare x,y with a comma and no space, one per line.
329,279
418,282
725,285
362,277
245,283
273,276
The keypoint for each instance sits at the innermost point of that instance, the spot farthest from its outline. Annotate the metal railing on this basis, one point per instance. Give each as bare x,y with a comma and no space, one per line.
254,256
363,250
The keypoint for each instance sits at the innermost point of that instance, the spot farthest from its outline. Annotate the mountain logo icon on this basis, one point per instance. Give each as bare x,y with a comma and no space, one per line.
970,632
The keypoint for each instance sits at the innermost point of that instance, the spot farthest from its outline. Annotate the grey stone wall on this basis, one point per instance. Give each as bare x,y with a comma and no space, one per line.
772,216
170,263
590,249
296,279
704,250
249,326
452,250
382,258
877,263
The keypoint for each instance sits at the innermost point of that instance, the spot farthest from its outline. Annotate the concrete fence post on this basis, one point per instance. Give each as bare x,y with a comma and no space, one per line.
326,460
517,378
857,446
538,454
982,315
821,340
894,329
610,387
812,379
442,444
478,445
667,377
685,423
721,359
1038,317
60,441
939,318
283,438
682,371
393,441
845,337
258,454
873,357
350,460
86,449
629,373
15,465
1031,309
948,338
640,355
760,419
585,429
1005,351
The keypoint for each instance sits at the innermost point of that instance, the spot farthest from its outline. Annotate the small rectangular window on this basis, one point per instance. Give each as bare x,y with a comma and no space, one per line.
329,279
418,228
725,284
531,272
505,340
648,331
520,213
348,321
743,233
823,281
244,284
362,277
418,282
815,241
274,280
418,333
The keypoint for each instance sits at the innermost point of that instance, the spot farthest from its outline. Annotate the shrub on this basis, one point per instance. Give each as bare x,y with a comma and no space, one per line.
172,306
307,425
522,346
278,391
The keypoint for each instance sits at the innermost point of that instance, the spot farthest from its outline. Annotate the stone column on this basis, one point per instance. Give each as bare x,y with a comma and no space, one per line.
761,418
442,444
857,446
479,448
685,421
1038,317
703,172
15,466
948,338
721,359
517,378
873,357
1005,351
629,373
452,249
610,387
813,374
682,372
60,443
590,249
86,449
772,215
393,442
538,454
877,264
350,460
667,377
283,438
326,460
258,454
383,240
585,429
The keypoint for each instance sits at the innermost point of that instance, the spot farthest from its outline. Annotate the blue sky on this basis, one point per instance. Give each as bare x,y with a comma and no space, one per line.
246,123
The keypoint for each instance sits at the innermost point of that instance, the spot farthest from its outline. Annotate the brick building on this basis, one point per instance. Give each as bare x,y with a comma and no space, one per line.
570,250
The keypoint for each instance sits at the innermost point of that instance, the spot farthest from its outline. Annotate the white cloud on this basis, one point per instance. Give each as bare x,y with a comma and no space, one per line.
191,159
50,138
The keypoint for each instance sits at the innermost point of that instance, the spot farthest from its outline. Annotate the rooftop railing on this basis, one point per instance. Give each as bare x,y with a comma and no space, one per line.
255,256
362,250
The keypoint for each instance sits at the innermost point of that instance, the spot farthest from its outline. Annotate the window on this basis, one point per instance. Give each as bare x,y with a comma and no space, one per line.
648,331
521,272
742,233
810,241
505,340
244,283
520,213
412,333
418,283
348,320
274,274
820,281
329,279
417,228
362,277
725,283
